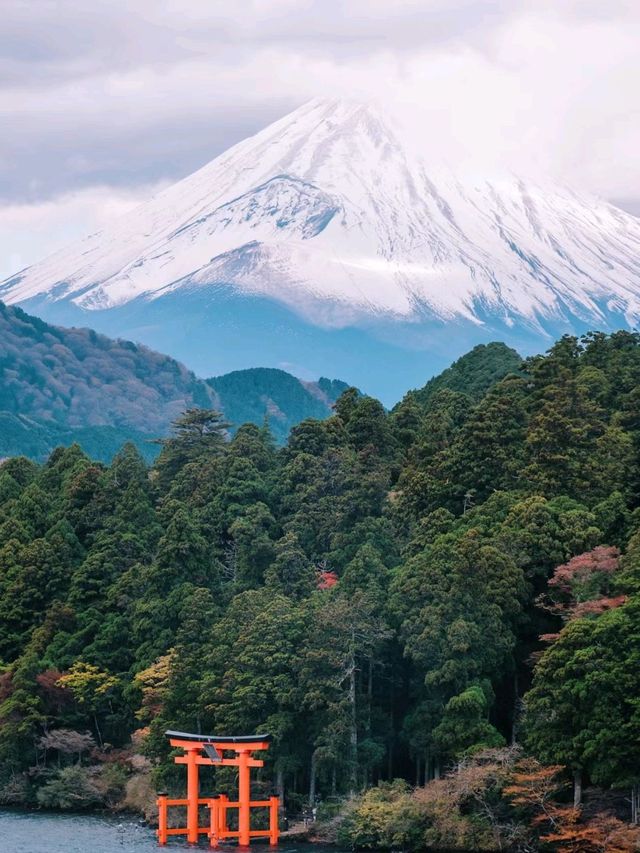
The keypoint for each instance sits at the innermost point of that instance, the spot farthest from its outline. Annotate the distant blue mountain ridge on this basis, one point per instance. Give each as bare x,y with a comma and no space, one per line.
218,330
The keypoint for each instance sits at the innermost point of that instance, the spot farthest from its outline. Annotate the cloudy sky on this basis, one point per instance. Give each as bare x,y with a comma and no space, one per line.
102,102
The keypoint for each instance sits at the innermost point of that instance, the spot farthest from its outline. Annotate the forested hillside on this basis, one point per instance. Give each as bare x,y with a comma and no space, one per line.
60,385
473,373
259,393
388,594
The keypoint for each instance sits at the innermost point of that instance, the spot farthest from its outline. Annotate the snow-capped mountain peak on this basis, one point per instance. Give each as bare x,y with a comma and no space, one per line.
330,213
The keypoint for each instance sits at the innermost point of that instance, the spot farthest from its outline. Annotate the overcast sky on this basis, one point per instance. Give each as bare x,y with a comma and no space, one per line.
104,101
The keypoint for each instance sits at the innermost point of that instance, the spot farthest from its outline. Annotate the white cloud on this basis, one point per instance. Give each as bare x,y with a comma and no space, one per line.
103,99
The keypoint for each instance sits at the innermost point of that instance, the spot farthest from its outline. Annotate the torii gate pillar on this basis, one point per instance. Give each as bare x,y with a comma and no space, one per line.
244,798
193,792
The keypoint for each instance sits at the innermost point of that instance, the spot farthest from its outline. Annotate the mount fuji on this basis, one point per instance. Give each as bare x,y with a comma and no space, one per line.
325,245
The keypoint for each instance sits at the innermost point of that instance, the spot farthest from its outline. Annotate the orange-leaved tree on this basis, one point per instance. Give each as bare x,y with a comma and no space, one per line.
534,787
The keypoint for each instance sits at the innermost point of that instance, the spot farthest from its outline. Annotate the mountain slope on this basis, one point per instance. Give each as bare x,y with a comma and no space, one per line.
58,385
21,435
62,385
473,374
329,221
255,394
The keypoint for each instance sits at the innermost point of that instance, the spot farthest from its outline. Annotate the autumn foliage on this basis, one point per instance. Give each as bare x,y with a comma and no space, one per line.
581,586
580,569
326,579
604,833
535,789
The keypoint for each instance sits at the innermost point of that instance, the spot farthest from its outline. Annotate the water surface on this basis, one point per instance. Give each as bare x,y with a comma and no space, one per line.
44,832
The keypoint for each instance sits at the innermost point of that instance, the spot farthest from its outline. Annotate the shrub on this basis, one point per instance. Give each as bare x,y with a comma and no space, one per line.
329,809
368,820
15,791
70,788
464,810
111,782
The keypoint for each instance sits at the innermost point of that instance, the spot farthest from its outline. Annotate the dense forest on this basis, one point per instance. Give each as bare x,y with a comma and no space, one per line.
446,595
59,386
261,394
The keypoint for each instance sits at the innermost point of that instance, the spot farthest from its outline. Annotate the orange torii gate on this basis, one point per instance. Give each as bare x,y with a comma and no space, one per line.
214,748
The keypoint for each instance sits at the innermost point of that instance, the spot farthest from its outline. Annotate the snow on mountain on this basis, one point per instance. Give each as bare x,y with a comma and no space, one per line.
327,213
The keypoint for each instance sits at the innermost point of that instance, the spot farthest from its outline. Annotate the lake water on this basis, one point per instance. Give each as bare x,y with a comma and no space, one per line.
43,832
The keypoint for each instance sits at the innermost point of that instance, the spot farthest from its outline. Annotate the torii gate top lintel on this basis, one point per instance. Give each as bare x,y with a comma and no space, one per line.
241,739
250,743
